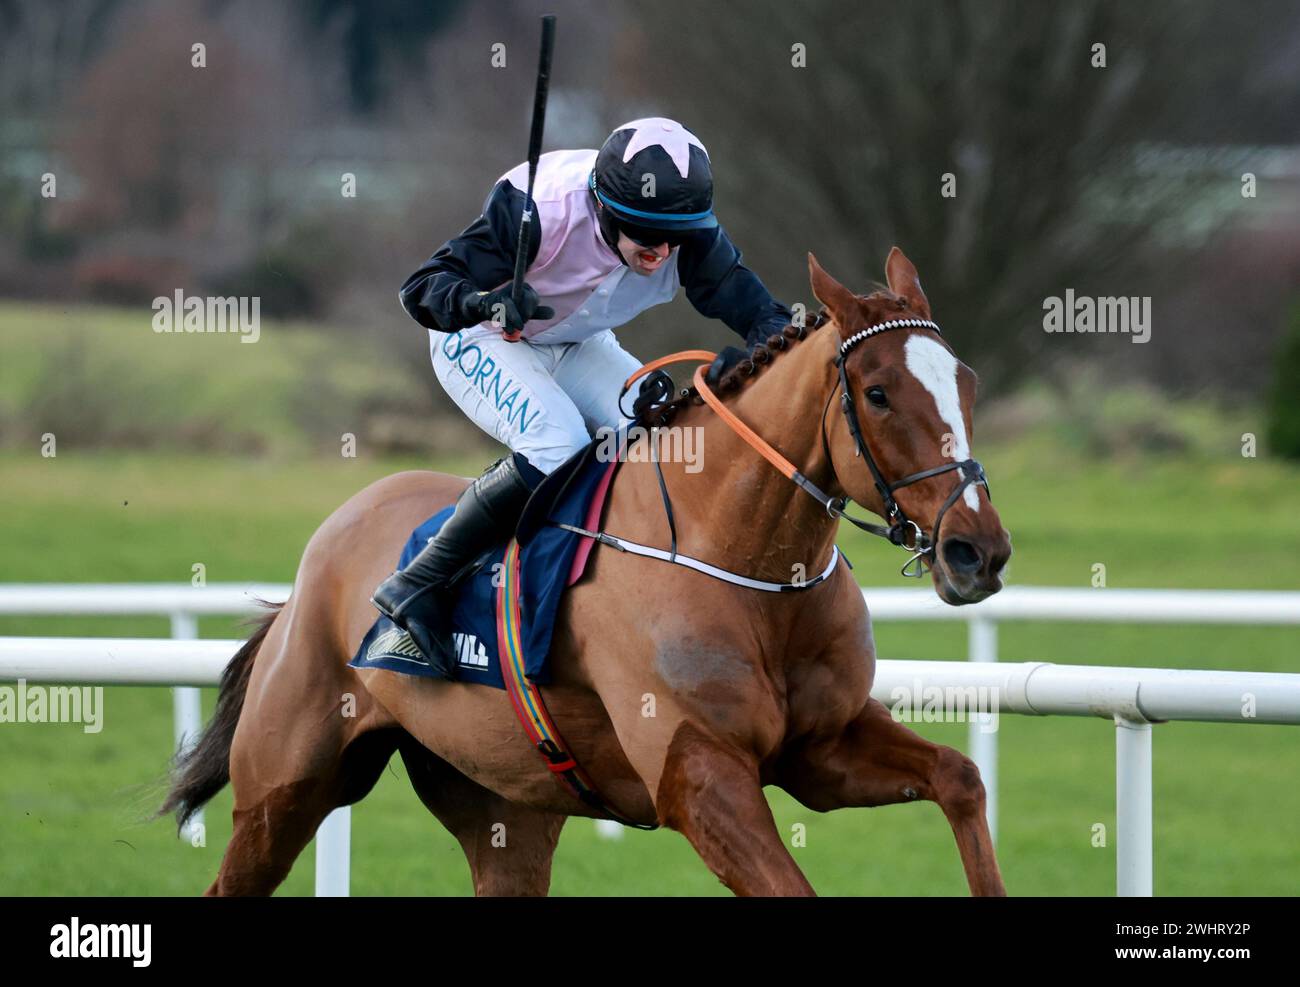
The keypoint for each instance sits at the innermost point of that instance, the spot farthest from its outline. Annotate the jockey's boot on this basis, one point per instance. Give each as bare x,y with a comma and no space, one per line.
418,598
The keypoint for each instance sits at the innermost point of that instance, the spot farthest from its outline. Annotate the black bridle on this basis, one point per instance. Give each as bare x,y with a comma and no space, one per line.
901,530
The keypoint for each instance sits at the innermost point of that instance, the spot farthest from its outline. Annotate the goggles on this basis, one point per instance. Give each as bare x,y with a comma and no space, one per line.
643,236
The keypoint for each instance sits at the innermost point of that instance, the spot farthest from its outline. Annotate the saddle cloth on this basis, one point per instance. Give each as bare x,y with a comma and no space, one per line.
550,560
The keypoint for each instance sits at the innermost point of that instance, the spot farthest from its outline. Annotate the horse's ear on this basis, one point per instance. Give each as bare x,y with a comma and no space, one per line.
839,301
900,275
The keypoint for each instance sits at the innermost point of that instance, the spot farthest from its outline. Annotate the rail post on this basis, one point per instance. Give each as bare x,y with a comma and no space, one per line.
1133,850
982,646
609,829
334,854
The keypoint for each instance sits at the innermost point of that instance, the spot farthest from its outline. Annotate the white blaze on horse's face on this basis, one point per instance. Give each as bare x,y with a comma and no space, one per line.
935,367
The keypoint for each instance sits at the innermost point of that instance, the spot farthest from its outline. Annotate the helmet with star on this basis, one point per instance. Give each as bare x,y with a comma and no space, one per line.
654,173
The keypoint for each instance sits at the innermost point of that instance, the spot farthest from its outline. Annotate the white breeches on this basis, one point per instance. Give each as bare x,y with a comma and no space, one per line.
543,400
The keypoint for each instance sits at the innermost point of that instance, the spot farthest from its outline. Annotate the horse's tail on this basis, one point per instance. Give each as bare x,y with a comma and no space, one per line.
204,769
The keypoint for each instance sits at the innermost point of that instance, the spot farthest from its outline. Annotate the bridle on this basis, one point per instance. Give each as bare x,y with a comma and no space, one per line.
901,530
921,544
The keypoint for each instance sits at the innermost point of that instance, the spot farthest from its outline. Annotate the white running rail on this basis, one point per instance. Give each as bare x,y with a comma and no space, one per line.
183,603
1133,698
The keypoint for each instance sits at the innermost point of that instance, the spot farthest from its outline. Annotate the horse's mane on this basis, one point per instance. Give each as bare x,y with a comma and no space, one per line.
739,375
744,371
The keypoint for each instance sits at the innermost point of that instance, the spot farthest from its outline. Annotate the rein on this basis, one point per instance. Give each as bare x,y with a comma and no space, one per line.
901,530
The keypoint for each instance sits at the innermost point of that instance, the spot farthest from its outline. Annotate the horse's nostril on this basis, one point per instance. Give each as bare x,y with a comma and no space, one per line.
961,556
999,562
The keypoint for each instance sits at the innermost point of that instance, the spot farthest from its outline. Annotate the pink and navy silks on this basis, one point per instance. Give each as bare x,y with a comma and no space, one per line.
575,271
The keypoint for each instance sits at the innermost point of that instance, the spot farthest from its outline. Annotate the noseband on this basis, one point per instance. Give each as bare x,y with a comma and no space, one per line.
901,530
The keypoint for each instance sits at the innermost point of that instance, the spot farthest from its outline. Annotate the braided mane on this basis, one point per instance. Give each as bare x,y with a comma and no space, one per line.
767,351
739,375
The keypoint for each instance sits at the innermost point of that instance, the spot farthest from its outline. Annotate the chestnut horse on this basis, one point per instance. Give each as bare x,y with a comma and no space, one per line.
749,688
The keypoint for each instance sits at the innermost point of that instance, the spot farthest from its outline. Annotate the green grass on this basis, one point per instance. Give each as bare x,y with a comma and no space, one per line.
73,806
96,376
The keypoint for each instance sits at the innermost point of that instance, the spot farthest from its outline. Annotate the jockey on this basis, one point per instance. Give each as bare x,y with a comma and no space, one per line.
616,231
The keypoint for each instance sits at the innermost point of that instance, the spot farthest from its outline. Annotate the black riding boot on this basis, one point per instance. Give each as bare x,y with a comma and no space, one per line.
416,598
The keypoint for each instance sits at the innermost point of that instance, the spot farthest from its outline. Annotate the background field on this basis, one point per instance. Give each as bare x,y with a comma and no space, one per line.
73,806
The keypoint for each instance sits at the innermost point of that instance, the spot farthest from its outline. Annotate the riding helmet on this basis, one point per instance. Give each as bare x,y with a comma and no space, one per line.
653,174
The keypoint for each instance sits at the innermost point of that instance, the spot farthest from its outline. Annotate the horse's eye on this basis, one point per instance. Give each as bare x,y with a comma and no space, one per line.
876,395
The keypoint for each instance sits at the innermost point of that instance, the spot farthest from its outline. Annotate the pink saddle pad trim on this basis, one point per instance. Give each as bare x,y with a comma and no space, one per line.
591,523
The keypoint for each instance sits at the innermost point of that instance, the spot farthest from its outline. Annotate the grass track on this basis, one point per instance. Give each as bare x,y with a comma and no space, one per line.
1227,798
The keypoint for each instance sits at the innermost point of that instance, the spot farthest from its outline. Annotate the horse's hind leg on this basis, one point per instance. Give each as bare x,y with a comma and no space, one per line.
878,761
509,846
309,739
271,832
268,837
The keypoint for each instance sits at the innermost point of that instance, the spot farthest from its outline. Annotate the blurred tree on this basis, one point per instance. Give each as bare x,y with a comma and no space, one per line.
373,33
149,135
1060,176
43,46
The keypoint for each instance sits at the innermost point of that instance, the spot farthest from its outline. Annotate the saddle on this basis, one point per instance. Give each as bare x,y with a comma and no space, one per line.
559,484
550,558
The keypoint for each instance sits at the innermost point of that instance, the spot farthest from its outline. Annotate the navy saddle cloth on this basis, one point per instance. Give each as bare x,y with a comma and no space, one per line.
546,557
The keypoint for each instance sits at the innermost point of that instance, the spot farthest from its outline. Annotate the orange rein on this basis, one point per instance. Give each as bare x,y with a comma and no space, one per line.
663,361
760,445
756,441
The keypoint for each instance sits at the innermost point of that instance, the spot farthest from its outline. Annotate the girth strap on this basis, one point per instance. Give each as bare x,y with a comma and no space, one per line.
527,700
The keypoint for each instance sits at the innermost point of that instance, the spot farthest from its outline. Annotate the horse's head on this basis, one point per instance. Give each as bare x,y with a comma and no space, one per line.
910,400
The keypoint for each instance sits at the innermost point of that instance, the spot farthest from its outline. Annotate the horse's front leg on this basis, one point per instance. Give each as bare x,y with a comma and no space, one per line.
876,760
711,794
693,712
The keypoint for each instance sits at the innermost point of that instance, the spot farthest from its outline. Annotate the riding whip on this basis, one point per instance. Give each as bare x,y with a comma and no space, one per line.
527,222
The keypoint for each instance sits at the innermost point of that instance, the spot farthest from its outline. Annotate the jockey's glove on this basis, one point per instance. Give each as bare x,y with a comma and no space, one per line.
499,308
656,391
724,361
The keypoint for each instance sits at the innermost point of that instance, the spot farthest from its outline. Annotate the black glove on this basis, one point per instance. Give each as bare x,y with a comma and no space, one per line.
724,361
656,391
499,308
